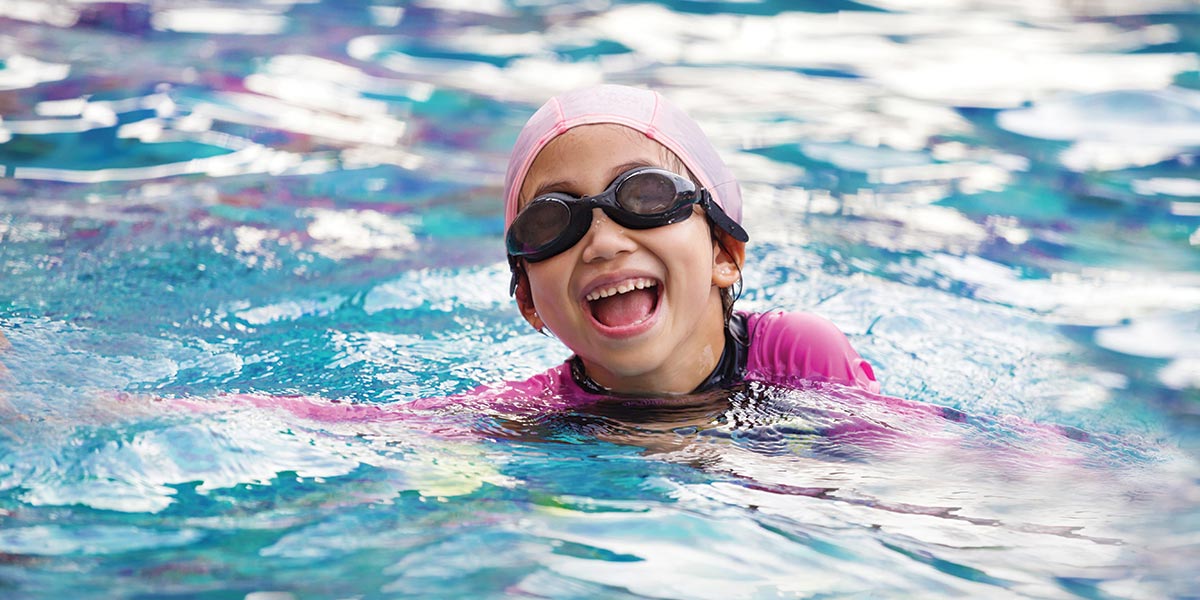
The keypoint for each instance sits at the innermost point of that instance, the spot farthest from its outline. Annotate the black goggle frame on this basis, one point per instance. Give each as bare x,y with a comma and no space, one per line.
579,216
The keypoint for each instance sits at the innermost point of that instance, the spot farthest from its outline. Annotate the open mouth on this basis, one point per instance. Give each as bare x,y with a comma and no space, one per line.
624,304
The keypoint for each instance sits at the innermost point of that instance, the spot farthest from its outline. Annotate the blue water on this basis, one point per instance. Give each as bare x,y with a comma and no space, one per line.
228,234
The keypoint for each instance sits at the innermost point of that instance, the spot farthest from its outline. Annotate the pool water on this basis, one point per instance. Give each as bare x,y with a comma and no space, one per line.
238,239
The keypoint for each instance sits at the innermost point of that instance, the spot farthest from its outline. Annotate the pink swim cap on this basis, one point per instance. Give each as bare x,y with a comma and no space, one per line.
644,110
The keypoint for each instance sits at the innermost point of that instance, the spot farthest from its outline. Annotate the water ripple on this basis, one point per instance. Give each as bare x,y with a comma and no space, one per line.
59,540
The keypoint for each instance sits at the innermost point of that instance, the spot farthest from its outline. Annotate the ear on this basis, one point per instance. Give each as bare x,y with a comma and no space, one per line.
728,257
525,301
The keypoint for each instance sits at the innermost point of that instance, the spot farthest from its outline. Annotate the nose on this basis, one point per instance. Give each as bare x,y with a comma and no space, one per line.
605,239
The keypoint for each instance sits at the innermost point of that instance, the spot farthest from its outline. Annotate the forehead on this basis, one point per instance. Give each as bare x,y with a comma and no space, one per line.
592,151
600,141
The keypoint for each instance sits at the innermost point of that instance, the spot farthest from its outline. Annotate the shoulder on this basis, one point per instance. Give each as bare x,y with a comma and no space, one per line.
797,334
782,326
785,346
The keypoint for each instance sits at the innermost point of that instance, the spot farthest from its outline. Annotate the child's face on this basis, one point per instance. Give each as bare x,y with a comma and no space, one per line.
665,338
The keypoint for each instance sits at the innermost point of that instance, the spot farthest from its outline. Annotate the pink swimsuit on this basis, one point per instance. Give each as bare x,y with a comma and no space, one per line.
787,347
780,348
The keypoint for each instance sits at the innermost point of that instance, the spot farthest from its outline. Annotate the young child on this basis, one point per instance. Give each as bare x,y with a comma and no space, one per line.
622,226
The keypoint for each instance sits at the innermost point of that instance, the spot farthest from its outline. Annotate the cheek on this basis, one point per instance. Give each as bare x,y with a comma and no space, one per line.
687,245
548,279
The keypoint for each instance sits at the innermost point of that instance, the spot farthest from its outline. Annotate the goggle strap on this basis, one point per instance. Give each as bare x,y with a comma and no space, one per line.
514,266
722,220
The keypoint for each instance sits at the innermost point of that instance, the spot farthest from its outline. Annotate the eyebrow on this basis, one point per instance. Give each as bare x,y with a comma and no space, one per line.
567,184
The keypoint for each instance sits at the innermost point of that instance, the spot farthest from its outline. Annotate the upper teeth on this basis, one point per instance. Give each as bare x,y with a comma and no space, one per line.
628,285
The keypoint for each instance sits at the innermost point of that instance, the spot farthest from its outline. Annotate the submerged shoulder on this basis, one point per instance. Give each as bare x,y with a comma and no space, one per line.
553,388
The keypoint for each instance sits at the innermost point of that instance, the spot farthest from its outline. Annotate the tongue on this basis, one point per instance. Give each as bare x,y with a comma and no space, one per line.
620,310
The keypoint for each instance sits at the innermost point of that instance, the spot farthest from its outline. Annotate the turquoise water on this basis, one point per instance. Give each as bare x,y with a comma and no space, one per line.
236,240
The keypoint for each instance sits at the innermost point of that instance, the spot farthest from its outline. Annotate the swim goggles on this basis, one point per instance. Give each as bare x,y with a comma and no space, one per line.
641,198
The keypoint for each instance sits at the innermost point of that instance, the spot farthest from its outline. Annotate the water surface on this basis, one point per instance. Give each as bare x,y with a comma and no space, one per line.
237,240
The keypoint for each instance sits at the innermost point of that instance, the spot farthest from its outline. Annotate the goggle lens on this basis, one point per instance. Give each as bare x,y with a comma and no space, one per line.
649,194
538,226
